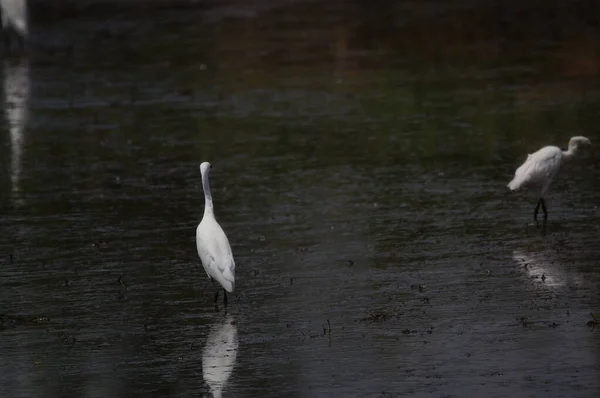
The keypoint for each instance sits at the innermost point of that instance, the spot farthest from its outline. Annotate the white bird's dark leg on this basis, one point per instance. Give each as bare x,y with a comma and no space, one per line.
225,297
217,290
544,208
21,42
537,208
7,41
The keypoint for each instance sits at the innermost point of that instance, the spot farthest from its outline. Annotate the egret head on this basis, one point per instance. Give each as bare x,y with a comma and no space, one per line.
204,168
579,142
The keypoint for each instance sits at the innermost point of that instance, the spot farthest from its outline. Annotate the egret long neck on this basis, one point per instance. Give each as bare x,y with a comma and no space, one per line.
568,154
208,203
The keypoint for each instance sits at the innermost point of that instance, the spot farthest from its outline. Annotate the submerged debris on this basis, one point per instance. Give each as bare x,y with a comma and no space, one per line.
376,316
327,329
13,321
420,287
523,321
379,316
593,322
313,335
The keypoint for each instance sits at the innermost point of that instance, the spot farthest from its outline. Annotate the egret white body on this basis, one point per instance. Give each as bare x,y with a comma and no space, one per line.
541,167
212,243
14,16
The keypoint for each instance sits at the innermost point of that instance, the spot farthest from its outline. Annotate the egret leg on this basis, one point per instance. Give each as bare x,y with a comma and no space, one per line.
544,209
21,42
537,208
217,290
7,42
225,297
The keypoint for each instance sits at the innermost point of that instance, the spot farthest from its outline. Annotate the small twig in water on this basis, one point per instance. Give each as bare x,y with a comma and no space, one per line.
327,329
303,335
593,322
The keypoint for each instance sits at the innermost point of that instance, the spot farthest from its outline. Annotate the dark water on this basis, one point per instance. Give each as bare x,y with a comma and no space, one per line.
360,156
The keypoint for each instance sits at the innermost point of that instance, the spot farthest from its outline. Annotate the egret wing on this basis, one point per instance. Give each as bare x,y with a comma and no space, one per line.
215,253
538,170
545,166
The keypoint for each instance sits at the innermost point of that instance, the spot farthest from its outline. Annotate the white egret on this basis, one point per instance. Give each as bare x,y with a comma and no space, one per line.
541,167
14,16
212,243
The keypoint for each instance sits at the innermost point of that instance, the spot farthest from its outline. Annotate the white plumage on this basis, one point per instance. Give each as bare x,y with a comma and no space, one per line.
541,167
212,243
14,15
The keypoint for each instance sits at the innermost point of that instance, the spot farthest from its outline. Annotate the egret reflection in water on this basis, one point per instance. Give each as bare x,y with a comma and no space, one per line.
16,104
545,268
219,355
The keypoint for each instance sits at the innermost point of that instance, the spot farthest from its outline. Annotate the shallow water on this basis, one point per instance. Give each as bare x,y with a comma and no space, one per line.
360,159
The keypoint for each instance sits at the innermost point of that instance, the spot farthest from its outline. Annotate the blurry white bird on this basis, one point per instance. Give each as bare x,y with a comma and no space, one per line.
212,244
14,15
541,167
